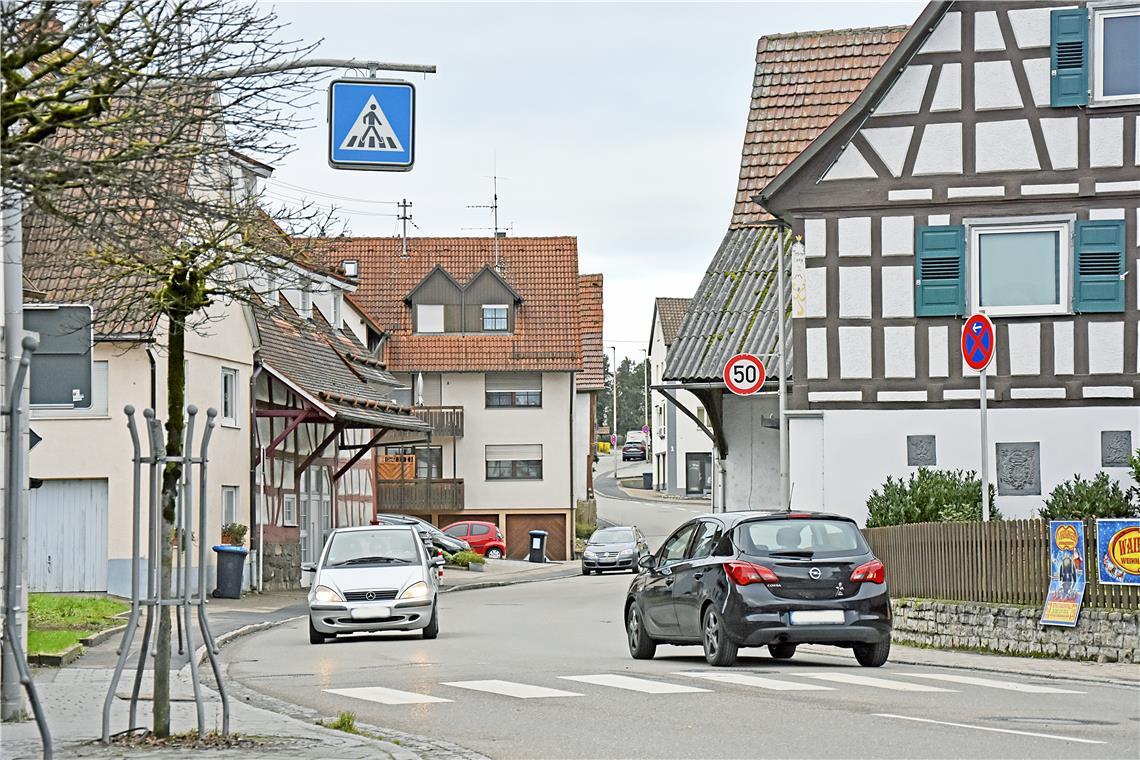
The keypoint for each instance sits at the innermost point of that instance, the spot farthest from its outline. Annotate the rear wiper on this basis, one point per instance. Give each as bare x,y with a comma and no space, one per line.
793,553
366,561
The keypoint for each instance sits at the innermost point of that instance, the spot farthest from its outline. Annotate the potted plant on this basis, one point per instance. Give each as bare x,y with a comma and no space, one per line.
233,534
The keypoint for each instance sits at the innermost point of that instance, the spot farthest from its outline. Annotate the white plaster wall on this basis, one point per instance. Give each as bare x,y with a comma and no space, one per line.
1005,145
940,151
752,467
582,403
948,93
994,86
689,440
1069,437
905,95
1061,141
548,425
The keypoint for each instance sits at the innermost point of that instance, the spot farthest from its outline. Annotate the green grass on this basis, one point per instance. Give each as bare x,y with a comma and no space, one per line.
57,621
346,721
52,642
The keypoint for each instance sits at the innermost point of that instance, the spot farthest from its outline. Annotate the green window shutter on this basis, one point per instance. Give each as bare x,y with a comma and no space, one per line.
940,271
1069,57
1098,267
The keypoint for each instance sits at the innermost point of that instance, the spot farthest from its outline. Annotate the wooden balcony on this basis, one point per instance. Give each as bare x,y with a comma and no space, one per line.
420,495
444,420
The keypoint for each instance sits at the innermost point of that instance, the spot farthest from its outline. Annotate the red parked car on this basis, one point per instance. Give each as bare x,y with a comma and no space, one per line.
484,537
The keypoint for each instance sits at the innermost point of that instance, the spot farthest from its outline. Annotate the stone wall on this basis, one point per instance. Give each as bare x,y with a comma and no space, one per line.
282,566
1104,635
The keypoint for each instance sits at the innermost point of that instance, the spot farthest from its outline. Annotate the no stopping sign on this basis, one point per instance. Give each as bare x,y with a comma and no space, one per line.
744,374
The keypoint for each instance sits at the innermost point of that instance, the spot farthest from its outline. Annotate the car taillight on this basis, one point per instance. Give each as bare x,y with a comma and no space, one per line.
744,573
870,572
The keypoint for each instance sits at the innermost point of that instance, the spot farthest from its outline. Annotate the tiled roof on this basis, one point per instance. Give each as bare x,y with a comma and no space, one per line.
330,365
803,82
734,310
543,270
590,319
670,311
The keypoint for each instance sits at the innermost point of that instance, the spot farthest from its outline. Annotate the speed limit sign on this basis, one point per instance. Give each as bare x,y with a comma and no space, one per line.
744,374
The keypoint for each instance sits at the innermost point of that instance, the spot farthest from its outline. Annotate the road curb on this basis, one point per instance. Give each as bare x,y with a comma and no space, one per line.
498,584
980,667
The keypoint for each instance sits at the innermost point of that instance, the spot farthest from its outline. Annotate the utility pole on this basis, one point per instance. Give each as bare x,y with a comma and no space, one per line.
785,459
613,423
645,366
404,218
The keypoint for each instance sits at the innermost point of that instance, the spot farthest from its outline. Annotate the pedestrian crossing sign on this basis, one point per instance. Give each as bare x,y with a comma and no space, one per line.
372,124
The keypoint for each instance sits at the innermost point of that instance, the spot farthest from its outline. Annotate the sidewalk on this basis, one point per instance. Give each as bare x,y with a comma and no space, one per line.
502,572
1119,673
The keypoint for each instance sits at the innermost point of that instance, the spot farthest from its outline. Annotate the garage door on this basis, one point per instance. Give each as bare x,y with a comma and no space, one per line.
518,535
67,536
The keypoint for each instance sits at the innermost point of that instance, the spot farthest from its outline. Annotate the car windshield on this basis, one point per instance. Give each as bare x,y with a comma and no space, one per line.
612,536
798,537
373,547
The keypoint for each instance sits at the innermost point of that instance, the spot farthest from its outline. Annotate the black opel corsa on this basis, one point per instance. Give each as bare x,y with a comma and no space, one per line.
750,579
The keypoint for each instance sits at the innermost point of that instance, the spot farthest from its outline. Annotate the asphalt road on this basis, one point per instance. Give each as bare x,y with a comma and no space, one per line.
656,518
542,670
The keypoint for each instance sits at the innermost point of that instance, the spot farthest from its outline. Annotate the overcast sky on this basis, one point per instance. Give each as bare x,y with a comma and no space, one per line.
620,124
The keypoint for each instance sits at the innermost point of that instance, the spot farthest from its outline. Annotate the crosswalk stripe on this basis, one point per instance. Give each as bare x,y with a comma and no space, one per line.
634,684
387,696
1027,688
511,689
877,683
744,679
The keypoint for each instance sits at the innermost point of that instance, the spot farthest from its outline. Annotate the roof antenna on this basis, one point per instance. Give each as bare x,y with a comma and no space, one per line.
404,217
496,231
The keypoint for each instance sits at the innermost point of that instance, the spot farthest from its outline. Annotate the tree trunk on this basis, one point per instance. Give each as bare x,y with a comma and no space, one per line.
171,478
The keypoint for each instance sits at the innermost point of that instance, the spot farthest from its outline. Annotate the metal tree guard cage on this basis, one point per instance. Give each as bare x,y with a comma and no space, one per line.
181,596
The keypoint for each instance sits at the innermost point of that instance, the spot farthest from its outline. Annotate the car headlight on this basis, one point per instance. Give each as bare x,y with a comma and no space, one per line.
626,553
589,555
326,594
417,590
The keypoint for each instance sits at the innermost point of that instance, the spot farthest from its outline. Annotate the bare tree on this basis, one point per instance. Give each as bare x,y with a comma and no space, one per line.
125,127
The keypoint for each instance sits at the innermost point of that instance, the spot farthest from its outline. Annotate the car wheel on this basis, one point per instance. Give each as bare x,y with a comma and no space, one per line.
781,651
432,629
873,655
585,571
315,636
719,649
641,647
494,553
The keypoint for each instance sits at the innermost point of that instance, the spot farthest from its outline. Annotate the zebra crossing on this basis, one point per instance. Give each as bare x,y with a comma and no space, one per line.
684,682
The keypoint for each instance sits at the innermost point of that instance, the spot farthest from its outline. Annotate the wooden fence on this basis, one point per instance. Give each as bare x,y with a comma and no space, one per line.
1005,562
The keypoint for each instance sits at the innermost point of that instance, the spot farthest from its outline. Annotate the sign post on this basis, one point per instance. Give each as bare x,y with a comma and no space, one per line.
979,342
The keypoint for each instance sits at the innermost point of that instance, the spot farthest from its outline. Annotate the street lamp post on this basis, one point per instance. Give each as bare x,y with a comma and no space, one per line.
645,365
613,422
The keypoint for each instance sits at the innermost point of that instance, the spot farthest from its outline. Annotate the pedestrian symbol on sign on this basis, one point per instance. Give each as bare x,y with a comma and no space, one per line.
371,130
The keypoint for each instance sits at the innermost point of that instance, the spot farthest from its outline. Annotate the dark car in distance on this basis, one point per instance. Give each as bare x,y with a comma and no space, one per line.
439,539
634,450
750,579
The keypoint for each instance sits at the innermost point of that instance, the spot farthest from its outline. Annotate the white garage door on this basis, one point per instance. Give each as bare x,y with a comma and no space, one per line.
67,536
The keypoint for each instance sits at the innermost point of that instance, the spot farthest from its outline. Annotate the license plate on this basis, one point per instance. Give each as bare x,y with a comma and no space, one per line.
370,612
817,617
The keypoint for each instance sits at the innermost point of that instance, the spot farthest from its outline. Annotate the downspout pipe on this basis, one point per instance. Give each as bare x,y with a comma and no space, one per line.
258,468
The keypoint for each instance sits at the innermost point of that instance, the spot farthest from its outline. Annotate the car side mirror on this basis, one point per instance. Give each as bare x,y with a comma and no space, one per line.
438,561
308,567
647,562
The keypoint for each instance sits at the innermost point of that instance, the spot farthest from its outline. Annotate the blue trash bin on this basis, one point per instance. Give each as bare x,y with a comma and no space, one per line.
231,566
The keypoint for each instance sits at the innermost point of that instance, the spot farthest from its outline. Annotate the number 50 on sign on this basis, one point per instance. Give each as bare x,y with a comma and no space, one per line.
744,374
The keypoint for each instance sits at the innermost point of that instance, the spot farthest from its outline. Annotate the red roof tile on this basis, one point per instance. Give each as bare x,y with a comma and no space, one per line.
543,270
590,319
671,311
803,82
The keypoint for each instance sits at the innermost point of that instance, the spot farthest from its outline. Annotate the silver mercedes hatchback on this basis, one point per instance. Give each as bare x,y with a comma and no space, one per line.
373,578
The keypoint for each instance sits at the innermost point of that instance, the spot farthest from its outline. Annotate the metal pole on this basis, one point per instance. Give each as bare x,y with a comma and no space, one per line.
15,595
203,623
785,492
985,471
646,367
613,423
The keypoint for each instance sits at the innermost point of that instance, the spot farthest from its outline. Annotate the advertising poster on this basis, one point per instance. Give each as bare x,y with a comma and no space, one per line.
1066,573
1118,551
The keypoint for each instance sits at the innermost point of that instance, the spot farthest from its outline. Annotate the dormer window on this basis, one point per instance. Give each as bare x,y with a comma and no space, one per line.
429,318
495,317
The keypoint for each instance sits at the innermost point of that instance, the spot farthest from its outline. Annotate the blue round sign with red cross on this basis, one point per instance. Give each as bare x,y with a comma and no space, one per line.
978,342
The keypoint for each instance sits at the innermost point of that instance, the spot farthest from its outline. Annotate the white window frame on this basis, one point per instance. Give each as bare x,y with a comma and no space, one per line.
229,492
1064,230
289,510
306,309
506,317
420,307
337,310
1097,14
272,292
230,420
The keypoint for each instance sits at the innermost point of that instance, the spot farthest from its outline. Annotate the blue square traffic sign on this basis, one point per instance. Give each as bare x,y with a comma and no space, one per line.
372,124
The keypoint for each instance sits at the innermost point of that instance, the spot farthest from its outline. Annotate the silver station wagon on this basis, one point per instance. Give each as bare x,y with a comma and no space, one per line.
373,578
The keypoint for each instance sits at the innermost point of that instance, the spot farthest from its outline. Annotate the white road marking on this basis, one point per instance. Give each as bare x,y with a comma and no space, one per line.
511,689
743,679
634,684
387,696
990,683
988,728
877,683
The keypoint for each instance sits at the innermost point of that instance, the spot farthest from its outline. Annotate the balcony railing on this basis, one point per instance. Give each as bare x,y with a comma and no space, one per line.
444,420
420,495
